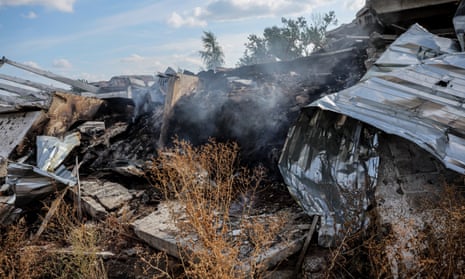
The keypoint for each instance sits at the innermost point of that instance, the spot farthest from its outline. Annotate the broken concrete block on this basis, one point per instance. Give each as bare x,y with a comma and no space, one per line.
407,204
109,194
160,231
88,204
93,208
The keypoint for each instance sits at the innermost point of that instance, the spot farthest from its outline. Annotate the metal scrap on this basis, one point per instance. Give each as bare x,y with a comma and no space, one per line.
331,170
67,109
330,163
412,47
51,151
14,127
31,183
421,103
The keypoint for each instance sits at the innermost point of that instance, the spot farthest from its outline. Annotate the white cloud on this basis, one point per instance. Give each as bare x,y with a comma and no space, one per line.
60,5
62,63
32,64
133,58
177,20
354,5
90,77
221,10
30,15
137,64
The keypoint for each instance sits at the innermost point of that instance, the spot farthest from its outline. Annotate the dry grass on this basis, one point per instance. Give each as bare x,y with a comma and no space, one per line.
17,260
43,258
437,250
206,180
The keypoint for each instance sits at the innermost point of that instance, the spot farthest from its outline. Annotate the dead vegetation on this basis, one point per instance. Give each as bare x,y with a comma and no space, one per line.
216,194
69,248
208,182
438,248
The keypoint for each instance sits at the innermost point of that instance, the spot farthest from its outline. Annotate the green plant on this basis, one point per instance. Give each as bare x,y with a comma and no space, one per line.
212,55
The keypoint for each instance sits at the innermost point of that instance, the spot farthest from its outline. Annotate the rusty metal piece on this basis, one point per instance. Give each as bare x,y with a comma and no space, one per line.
66,109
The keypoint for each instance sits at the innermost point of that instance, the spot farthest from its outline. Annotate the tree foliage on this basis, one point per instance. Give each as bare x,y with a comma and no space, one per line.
296,38
212,55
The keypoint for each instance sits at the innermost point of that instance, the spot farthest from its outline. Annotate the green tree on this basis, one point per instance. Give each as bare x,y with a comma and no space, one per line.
296,38
316,33
212,55
255,51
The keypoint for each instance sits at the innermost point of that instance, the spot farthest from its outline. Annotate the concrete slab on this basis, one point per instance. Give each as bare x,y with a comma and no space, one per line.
109,194
159,230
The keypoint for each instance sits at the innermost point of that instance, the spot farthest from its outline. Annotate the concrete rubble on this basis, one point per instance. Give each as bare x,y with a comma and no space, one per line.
371,122
85,139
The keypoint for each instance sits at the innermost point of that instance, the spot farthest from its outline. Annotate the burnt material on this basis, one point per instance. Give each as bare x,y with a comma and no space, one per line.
255,105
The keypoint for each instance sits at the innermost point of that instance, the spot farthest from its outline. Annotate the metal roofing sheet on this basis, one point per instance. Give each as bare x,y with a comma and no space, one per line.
423,103
414,45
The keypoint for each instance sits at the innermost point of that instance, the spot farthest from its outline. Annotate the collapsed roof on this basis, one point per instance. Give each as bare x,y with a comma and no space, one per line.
415,91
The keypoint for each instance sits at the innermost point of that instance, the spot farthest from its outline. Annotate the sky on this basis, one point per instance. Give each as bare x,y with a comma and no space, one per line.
97,39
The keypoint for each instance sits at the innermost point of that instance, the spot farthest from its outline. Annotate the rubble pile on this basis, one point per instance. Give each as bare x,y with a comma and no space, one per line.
97,140
372,122
255,105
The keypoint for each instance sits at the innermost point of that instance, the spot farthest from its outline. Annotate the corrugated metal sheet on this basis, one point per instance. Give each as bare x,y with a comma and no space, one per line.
31,183
423,103
415,45
52,151
412,47
330,165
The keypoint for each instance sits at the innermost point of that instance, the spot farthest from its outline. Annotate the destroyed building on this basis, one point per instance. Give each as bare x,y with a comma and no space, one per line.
347,141
348,150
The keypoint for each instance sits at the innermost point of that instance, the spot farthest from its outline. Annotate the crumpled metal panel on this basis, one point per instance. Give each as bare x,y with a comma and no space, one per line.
14,127
415,45
330,164
421,103
13,102
412,47
31,183
52,151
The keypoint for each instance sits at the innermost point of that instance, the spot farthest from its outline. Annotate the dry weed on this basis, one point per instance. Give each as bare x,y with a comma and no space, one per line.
206,180
42,258
436,250
82,260
17,258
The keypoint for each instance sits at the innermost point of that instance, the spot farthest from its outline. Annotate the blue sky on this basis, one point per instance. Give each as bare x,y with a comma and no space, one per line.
97,39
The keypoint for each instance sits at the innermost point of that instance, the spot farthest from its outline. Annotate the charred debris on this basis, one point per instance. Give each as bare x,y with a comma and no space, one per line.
372,121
